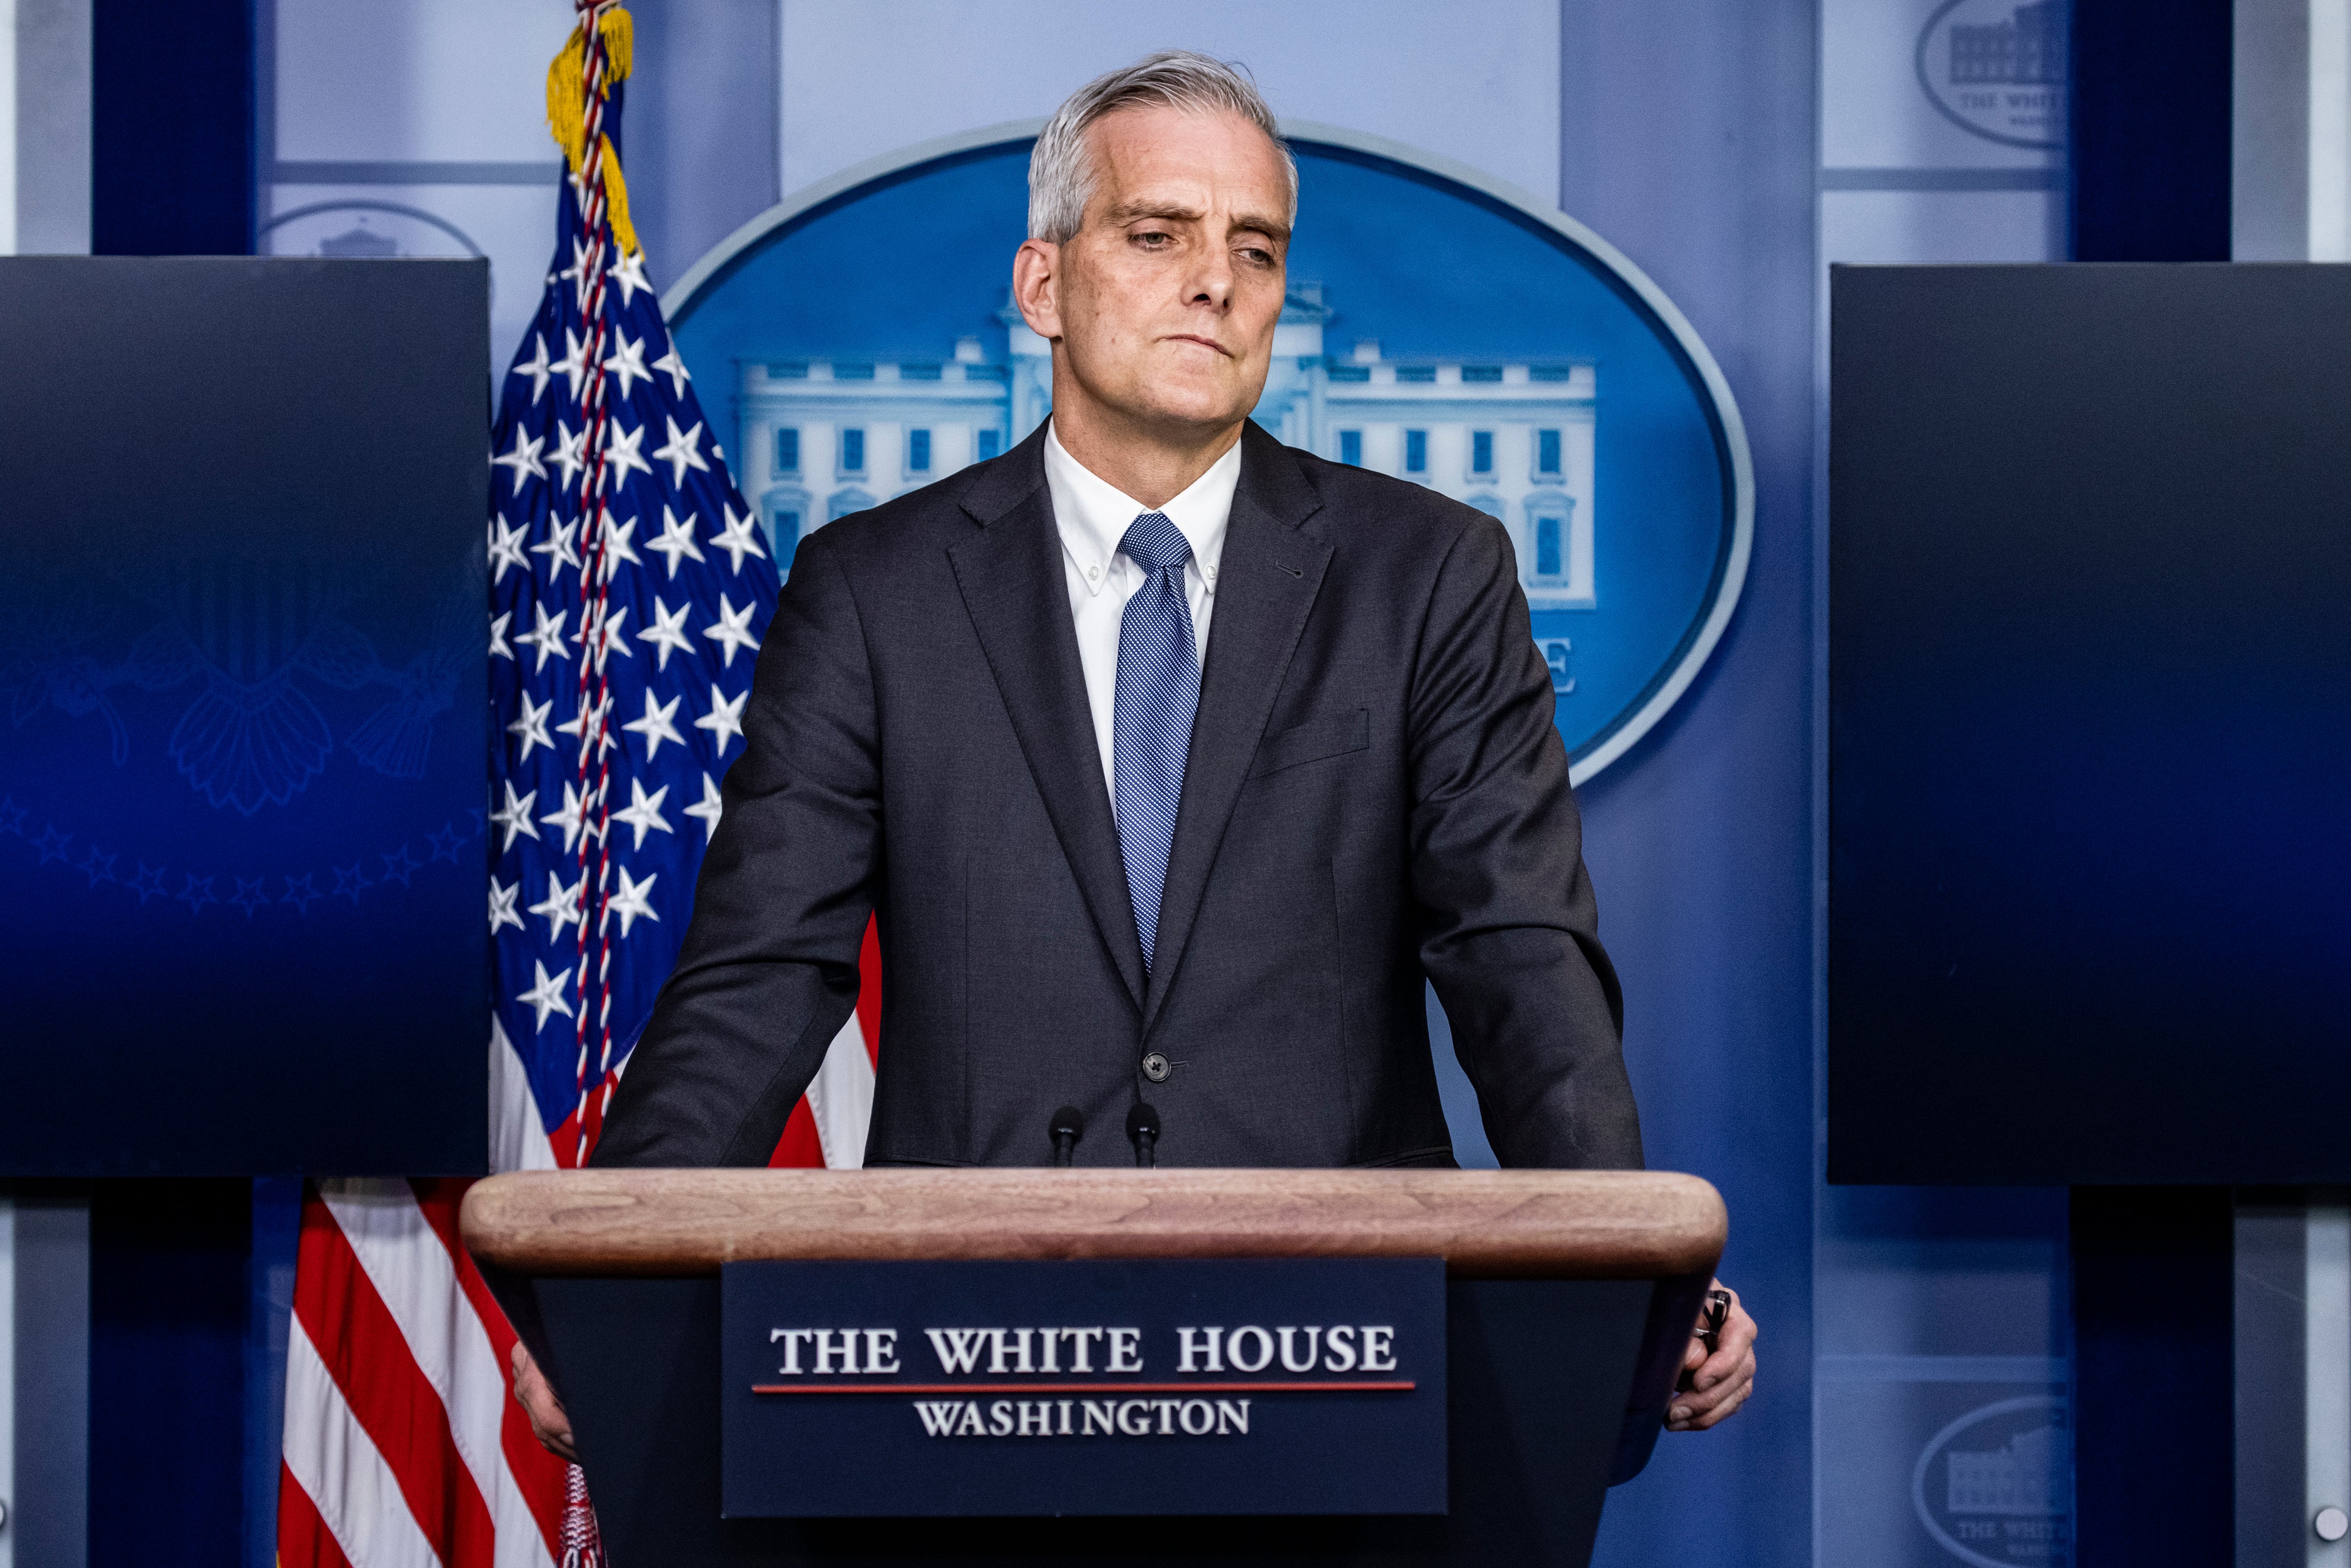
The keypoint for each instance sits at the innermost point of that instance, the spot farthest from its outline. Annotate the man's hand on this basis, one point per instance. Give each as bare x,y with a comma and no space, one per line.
549,1424
1720,1383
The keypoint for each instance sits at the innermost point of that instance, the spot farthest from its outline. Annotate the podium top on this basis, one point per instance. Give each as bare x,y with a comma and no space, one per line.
1586,1225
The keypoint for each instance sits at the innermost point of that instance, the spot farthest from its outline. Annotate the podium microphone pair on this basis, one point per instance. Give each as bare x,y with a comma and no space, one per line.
1068,1126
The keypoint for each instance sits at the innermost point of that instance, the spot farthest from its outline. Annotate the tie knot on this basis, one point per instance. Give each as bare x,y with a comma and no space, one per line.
1153,542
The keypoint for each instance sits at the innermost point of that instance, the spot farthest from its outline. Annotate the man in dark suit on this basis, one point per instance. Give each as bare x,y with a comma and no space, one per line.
1172,759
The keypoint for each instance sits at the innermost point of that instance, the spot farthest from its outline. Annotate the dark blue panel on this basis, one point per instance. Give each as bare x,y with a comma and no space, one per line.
2151,106
167,1407
2088,669
172,118
241,647
1184,1395
2152,1365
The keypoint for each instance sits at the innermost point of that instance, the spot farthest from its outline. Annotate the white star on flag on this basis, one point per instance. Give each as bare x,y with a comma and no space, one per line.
546,636
532,727
672,366
683,450
557,547
515,816
629,272
732,630
502,904
618,552
561,904
677,540
506,549
738,540
668,630
709,808
631,904
656,727
622,453
725,720
572,818
643,812
574,368
524,459
628,360
570,453
548,995
538,369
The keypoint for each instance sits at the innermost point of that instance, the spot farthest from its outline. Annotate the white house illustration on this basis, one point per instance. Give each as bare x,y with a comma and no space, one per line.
822,438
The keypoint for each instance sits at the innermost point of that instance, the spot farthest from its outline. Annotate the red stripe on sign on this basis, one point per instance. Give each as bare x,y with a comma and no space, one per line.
365,1352
303,1539
537,1474
1399,1387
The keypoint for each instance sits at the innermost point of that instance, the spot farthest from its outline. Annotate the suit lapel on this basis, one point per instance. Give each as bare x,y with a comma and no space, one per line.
1271,572
1011,573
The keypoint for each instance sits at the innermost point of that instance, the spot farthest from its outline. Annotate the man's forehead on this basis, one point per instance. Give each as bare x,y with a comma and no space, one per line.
1163,159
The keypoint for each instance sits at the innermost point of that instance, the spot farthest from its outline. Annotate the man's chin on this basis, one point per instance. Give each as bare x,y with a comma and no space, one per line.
1181,413
1164,404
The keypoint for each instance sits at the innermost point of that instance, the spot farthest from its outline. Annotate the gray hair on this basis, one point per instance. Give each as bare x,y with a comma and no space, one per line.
1062,170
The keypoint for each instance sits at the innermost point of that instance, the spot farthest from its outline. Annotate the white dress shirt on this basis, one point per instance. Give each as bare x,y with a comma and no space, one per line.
1093,516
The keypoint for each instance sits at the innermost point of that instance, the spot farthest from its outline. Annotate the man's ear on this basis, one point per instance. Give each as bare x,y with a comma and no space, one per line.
1036,287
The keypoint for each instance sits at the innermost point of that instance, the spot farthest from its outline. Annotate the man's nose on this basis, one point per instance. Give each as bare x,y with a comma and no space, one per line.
1211,280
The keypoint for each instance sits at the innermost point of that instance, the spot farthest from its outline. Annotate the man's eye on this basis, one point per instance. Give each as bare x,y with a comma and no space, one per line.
1154,238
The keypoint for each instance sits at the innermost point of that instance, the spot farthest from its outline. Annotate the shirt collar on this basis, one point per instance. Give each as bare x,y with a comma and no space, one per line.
1093,514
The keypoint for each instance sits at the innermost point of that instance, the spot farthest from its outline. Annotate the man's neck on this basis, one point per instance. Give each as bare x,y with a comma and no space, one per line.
1152,466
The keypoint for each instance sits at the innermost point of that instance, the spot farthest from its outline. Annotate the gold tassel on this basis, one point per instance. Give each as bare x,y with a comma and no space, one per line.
567,118
616,203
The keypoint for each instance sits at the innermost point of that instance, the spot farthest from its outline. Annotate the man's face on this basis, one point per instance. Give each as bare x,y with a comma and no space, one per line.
1165,299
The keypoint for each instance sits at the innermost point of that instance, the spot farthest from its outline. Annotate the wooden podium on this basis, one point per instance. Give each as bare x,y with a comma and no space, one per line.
1570,1300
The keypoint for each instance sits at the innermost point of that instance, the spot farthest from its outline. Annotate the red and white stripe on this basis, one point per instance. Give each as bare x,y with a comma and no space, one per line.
828,1127
404,1447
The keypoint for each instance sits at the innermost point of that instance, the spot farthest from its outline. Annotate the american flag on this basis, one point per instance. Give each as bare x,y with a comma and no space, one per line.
629,586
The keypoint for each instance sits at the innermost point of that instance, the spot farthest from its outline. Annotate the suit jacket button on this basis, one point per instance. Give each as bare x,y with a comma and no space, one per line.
1154,1067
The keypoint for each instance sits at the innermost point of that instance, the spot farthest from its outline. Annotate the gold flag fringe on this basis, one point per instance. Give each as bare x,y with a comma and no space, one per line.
567,113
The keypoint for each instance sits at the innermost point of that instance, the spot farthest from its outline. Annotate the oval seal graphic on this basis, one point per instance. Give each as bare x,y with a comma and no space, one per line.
1440,327
1997,68
1994,1486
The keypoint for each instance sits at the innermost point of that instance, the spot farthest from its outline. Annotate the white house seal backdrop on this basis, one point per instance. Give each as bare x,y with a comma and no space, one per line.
1441,327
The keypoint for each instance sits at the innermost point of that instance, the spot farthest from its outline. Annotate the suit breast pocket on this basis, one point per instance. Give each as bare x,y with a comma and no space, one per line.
1315,741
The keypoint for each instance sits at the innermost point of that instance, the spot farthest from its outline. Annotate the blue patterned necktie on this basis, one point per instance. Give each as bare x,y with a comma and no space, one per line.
1158,688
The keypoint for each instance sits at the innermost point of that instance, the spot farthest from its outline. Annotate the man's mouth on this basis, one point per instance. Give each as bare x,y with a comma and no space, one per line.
1204,342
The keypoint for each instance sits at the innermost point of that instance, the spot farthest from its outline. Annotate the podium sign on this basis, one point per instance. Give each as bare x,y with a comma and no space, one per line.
1259,1386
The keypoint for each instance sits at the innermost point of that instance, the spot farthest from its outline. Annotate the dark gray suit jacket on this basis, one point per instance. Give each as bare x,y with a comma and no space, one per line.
1375,792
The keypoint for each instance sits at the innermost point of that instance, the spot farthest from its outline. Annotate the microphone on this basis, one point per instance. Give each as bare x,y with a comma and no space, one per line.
1065,1129
1143,1130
